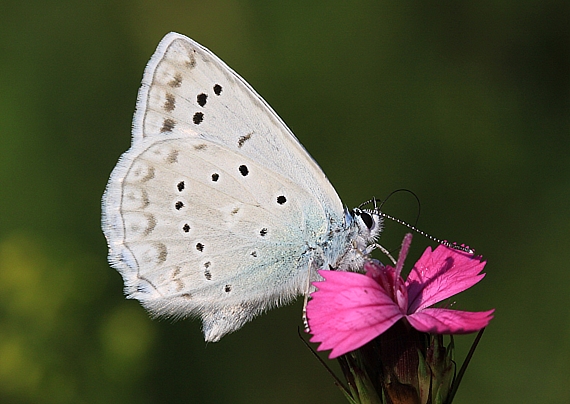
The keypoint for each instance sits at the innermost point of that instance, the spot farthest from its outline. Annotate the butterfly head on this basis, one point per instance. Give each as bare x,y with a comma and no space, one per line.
367,223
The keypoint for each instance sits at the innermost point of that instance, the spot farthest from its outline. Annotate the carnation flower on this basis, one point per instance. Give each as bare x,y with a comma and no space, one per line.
350,309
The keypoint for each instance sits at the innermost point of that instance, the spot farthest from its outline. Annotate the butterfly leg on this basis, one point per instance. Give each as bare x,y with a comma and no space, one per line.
386,252
306,297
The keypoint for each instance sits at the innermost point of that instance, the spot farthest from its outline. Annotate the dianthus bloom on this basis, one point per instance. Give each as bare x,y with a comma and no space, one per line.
350,309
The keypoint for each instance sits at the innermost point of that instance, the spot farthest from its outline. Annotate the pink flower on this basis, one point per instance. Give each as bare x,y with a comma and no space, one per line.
350,309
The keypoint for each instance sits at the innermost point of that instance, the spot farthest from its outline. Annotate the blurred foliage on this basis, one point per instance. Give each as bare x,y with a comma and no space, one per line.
466,104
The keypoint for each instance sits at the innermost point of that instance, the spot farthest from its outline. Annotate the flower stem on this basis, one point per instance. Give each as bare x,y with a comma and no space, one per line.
459,376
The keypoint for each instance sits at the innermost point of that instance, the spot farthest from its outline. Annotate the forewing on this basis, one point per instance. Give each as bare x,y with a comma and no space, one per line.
188,90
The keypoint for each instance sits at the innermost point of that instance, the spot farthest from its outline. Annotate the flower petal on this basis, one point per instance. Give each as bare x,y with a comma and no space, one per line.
347,311
445,321
441,274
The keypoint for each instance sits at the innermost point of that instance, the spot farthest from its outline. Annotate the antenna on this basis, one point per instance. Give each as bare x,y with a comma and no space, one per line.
446,243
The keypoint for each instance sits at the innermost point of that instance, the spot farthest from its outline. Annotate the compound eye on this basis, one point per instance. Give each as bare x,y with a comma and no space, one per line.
367,219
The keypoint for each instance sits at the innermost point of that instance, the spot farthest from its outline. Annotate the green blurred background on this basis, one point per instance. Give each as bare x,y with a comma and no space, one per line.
465,104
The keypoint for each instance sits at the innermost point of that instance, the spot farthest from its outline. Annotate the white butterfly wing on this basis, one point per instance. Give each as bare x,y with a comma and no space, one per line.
216,208
189,91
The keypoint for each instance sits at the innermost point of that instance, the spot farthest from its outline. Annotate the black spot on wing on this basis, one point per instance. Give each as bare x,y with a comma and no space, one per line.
202,98
198,118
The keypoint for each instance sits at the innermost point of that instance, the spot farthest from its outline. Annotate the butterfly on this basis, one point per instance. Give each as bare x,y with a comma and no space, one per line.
217,211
